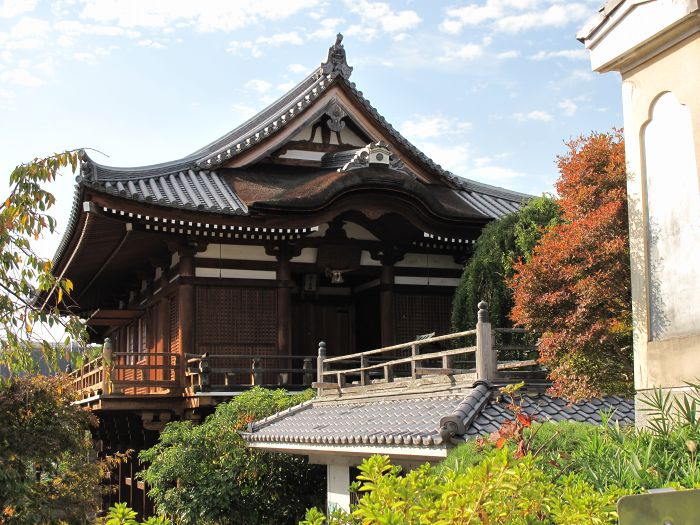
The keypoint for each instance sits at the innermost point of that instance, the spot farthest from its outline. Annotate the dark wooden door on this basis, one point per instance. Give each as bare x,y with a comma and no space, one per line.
329,319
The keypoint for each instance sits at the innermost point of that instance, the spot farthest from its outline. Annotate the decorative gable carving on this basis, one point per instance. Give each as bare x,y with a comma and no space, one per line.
376,154
336,114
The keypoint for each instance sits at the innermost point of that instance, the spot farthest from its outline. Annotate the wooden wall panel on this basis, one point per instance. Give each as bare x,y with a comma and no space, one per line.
418,314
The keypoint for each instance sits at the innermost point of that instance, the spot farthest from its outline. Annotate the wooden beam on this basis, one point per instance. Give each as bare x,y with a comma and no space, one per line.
317,384
435,371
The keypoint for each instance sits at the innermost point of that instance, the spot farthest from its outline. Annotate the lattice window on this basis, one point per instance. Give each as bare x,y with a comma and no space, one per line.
237,320
174,329
421,314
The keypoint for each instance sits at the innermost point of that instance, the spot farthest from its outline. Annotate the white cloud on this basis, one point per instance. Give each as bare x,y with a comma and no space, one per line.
254,46
85,56
482,161
235,46
286,86
513,53
258,85
12,8
76,28
279,39
21,77
27,33
90,57
557,15
464,52
494,174
536,115
571,54
298,68
425,127
514,15
477,14
209,16
243,112
453,158
568,107
328,27
379,15
151,43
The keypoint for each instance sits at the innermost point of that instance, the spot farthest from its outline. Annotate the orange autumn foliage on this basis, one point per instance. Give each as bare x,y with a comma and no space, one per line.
575,290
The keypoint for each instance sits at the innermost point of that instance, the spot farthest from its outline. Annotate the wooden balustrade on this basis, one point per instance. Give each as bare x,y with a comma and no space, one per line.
146,373
215,373
335,373
88,379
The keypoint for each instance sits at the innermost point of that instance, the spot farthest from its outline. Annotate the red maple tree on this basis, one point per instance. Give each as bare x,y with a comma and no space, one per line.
575,290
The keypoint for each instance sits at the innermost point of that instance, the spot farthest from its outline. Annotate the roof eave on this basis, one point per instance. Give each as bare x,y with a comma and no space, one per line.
436,452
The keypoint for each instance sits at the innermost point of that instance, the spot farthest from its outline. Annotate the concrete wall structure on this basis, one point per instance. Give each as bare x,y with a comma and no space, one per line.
655,46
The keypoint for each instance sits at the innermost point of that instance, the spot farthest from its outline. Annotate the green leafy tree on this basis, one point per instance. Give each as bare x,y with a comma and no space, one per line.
45,444
30,295
501,244
204,474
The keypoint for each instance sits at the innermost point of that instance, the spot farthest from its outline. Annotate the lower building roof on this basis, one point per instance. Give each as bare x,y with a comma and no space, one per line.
439,421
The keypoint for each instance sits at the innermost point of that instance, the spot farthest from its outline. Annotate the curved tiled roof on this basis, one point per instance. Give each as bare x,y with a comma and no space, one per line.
423,421
203,190
493,202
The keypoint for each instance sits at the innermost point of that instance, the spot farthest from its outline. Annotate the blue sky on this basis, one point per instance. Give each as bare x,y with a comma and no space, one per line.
489,89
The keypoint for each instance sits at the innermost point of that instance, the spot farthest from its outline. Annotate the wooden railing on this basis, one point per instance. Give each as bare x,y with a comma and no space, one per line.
383,366
144,373
88,380
226,372
482,351
128,373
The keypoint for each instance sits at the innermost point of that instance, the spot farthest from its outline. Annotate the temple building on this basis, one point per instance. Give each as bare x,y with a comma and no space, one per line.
313,220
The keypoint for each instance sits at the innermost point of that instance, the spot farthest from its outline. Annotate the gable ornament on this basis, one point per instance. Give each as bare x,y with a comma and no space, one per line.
335,113
376,154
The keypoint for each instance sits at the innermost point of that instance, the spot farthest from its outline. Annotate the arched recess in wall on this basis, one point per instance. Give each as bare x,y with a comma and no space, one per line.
673,215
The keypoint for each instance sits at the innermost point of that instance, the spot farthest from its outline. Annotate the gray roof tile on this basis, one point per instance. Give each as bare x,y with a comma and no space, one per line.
202,190
422,421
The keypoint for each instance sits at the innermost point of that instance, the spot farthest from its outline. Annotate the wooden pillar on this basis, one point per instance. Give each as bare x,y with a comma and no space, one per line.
284,305
386,303
186,310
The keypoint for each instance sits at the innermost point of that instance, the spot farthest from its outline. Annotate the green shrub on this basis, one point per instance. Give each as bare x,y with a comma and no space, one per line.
498,490
204,474
121,514
662,455
46,475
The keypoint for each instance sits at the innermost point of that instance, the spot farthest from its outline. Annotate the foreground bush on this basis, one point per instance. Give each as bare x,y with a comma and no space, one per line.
204,474
498,490
45,444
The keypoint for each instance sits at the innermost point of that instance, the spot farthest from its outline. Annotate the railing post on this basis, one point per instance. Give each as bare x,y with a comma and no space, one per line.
308,369
107,349
364,374
256,372
414,353
320,365
204,373
485,355
388,374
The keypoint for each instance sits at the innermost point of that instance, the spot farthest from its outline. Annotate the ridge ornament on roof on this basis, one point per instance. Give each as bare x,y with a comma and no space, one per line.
336,63
376,154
